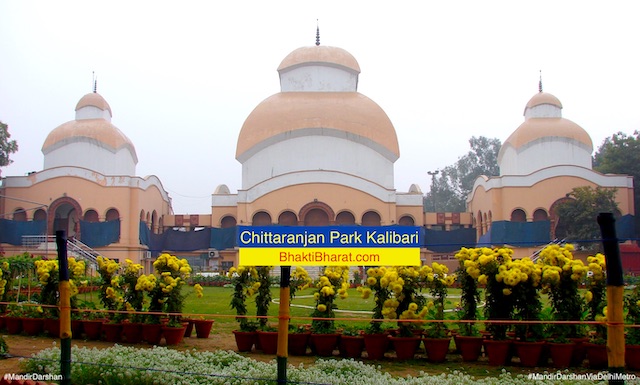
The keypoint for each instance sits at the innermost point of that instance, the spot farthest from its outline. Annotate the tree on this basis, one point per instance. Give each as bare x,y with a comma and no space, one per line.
577,215
620,154
452,185
7,147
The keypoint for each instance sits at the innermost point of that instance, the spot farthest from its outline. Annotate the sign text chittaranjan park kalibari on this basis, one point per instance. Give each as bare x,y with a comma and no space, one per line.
329,245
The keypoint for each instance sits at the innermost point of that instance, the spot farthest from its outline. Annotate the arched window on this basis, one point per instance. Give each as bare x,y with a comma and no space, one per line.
112,215
406,220
91,216
154,222
316,217
480,224
142,217
518,215
288,218
261,218
19,214
371,218
540,215
345,218
40,215
228,221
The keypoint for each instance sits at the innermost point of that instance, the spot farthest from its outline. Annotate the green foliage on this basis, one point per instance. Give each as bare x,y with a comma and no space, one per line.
577,215
263,298
7,147
620,154
449,190
632,303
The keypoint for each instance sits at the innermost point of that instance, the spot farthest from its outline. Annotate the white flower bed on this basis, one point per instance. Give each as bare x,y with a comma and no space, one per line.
159,366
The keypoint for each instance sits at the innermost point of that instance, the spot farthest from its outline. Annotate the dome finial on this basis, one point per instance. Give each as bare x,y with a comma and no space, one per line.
540,82
95,82
317,33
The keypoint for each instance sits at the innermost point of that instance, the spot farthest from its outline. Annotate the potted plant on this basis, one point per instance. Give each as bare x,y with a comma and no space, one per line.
596,349
351,342
376,341
332,284
632,339
242,282
172,274
468,340
32,318
407,341
298,339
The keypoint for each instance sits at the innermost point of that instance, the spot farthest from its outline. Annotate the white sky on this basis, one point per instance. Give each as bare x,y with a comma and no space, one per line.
181,77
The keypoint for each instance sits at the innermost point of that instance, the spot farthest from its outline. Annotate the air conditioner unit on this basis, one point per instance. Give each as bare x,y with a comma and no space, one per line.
146,255
213,253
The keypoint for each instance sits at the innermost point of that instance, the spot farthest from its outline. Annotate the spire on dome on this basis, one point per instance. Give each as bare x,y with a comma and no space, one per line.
95,83
317,33
540,82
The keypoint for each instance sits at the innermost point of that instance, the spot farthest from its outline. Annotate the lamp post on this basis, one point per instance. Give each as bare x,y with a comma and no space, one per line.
433,183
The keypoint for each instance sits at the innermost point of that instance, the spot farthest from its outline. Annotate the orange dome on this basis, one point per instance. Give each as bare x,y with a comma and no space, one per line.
537,128
543,98
94,99
349,112
320,54
98,130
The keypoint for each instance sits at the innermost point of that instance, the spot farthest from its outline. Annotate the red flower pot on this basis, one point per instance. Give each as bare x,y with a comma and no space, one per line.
297,343
405,347
351,346
497,351
579,351
245,340
76,328
632,356
173,335
51,326
437,348
597,355
189,330
325,344
203,327
376,345
268,342
529,352
32,326
152,333
561,354
13,324
92,329
111,331
132,332
469,347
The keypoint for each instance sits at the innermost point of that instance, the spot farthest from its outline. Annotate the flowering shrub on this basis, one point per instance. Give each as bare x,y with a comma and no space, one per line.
561,278
109,284
333,283
596,296
242,280
468,272
171,273
133,298
263,298
47,272
632,302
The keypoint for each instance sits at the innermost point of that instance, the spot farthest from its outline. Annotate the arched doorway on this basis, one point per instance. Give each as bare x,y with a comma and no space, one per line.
316,214
64,215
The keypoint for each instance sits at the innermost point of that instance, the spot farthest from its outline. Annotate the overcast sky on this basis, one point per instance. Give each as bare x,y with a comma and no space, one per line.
181,77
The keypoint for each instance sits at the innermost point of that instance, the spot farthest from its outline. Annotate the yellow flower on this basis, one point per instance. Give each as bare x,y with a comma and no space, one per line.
198,290
322,308
506,291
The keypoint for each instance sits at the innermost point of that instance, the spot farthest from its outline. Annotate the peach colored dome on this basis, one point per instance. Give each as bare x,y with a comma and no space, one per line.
543,98
99,130
538,128
320,54
94,99
350,112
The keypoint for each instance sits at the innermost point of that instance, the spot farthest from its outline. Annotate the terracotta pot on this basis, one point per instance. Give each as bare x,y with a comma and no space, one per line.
405,347
376,345
188,331
632,356
297,343
173,335
529,352
351,346
92,329
268,342
597,355
76,328
132,332
32,326
245,340
13,324
469,347
437,348
561,353
152,333
497,351
324,344
111,331
579,351
51,326
203,327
